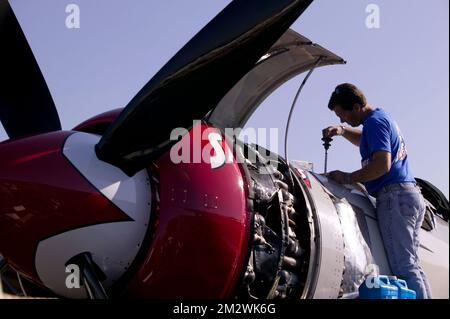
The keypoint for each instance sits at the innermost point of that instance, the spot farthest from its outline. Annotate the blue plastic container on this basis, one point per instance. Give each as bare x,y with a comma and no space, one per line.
378,287
403,291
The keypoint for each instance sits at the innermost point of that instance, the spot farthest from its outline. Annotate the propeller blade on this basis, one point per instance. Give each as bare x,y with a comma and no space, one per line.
195,79
26,105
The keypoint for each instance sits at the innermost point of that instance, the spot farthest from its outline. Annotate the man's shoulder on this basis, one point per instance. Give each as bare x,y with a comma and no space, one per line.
380,113
378,117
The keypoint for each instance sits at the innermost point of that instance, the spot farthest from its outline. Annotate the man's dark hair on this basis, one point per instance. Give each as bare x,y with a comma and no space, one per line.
346,95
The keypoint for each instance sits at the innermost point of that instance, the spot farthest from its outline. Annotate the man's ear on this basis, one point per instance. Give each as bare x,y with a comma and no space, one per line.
357,107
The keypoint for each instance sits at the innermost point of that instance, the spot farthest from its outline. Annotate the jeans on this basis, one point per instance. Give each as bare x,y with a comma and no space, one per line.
401,210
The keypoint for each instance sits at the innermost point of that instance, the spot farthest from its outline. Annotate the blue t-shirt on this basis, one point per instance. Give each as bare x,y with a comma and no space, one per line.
381,133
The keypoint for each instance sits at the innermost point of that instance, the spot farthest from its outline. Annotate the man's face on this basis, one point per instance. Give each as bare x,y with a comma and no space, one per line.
349,117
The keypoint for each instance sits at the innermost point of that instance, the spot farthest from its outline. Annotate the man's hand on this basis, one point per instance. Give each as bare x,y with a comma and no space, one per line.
351,134
340,177
333,131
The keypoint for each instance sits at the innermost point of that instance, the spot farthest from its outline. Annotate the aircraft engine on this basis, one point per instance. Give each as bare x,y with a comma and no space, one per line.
306,241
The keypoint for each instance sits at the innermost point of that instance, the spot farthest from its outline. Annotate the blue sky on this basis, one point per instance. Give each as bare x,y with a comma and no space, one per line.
403,67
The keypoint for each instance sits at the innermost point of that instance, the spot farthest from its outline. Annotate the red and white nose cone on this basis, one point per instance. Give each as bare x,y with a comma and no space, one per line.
113,245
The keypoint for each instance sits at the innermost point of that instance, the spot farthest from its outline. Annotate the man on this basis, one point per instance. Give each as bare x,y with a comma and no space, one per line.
386,176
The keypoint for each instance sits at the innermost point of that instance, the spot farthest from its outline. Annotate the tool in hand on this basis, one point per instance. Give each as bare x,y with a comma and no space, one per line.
326,145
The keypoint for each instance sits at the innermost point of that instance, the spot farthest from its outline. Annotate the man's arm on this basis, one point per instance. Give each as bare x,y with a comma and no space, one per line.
380,165
353,135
